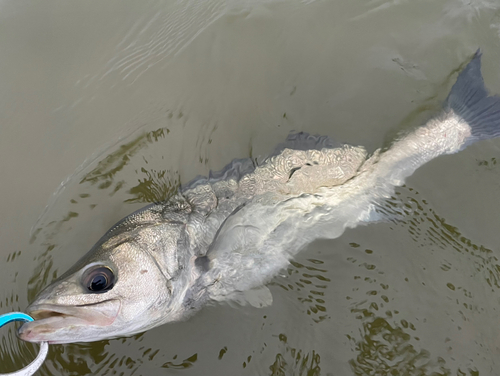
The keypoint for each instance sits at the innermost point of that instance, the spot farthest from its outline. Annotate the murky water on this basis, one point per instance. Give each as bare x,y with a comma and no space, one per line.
105,106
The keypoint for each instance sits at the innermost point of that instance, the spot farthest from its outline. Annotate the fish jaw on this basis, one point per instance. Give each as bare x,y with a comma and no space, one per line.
64,324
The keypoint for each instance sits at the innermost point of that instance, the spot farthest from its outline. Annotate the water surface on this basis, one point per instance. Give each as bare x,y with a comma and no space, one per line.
105,106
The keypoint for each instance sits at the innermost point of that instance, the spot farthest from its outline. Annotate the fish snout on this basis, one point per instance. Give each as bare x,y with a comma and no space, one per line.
60,324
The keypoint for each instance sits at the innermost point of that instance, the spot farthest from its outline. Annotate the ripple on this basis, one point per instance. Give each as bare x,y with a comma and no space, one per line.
427,228
387,349
309,289
293,361
153,39
13,352
186,363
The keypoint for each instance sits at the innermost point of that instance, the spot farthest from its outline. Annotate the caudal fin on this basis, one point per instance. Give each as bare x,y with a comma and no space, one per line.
469,99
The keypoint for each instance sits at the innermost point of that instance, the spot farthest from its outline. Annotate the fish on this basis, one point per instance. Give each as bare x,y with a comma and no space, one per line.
221,238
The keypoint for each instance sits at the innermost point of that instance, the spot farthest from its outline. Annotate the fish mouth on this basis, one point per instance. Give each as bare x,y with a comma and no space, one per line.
55,323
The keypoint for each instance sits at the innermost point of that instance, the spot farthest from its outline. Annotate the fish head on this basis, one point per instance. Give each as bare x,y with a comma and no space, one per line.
128,283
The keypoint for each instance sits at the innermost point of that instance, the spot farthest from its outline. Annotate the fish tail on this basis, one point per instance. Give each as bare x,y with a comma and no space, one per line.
469,100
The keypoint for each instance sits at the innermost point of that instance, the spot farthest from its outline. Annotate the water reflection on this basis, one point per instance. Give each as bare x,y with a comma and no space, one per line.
294,361
428,229
388,350
155,187
103,174
42,273
14,353
186,363
446,267
308,282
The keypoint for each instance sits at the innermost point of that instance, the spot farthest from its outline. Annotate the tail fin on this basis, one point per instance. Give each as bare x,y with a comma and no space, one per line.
469,99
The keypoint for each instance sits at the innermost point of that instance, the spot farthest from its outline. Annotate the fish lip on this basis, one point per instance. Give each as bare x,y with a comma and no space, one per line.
52,319
37,311
42,311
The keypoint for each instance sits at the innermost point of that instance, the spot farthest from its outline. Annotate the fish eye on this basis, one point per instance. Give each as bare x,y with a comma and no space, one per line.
98,280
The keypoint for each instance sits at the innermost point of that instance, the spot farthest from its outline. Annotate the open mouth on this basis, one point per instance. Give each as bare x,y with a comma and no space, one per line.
45,314
53,323
90,312
49,325
56,316
46,311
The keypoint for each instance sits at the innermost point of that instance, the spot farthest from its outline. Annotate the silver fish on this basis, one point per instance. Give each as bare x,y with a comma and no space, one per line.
223,237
